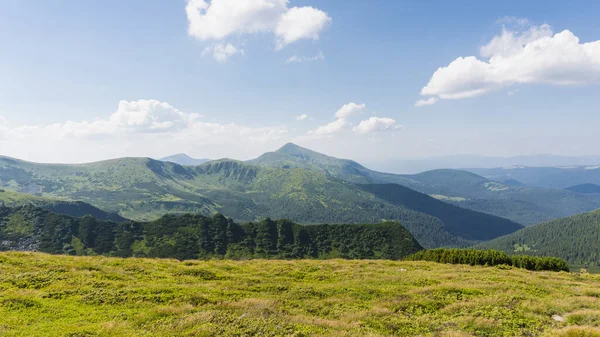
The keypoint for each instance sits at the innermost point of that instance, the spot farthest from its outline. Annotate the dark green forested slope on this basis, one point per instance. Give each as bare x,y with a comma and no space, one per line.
144,189
465,223
195,236
523,204
575,239
72,208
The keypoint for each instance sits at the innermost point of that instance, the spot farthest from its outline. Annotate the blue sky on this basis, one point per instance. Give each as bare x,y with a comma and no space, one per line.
76,60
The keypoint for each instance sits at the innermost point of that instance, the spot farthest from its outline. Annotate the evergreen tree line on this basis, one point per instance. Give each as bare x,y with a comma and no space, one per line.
193,236
475,257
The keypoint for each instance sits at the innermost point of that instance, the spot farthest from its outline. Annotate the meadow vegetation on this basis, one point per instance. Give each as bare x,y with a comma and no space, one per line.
58,295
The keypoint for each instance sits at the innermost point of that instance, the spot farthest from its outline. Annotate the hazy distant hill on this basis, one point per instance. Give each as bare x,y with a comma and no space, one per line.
184,159
584,188
546,177
410,166
144,189
523,204
574,239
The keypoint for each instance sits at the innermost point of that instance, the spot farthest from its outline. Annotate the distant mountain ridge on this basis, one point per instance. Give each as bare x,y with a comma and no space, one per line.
184,159
584,188
545,177
411,166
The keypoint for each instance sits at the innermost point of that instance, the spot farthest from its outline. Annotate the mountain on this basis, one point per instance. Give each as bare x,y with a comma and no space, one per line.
144,189
195,236
411,166
574,239
523,204
545,177
71,208
584,188
184,159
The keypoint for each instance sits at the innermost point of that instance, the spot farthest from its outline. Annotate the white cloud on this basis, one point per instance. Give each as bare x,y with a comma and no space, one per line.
220,19
302,117
300,23
349,109
429,101
525,56
221,51
300,59
136,128
331,128
376,124
341,120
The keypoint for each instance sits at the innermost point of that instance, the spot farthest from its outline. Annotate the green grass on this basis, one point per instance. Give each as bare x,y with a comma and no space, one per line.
46,295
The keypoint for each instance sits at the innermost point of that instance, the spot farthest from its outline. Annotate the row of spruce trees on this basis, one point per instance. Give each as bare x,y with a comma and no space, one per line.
193,236
475,257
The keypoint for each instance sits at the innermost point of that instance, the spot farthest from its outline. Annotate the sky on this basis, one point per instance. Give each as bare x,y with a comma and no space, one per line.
372,81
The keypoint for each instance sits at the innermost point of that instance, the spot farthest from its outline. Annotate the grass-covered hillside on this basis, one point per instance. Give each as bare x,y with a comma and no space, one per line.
71,208
575,239
46,295
144,189
522,204
194,236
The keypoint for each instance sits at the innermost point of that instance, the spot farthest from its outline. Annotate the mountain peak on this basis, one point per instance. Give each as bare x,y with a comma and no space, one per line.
291,148
184,159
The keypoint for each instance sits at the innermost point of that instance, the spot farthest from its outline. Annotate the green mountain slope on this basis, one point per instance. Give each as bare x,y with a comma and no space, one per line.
195,236
144,189
522,204
574,239
72,208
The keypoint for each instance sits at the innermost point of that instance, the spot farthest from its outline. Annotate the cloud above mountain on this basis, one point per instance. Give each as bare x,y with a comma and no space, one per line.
219,20
524,54
143,126
342,122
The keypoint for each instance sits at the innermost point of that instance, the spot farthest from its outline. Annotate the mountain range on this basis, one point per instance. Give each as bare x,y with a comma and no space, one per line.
523,204
440,207
544,177
144,189
408,166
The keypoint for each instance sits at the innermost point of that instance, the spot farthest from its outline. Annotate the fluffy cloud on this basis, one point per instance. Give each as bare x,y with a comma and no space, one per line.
300,23
301,59
219,19
341,122
331,128
376,124
221,52
142,128
302,117
423,102
526,56
349,109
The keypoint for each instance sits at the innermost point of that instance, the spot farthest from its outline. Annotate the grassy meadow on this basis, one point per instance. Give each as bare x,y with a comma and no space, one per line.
51,295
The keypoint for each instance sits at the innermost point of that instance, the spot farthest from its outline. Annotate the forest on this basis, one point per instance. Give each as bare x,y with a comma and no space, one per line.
191,236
